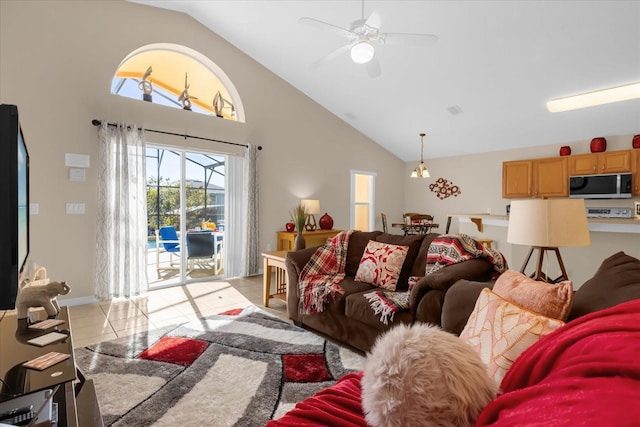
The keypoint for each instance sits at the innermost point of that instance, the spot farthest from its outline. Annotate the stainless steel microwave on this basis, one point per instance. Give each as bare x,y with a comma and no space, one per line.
609,186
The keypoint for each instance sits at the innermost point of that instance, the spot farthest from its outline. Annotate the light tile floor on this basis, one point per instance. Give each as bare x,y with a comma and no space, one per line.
92,323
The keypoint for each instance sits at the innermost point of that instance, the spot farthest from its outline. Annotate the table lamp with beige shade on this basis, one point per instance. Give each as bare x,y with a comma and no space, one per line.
311,208
546,225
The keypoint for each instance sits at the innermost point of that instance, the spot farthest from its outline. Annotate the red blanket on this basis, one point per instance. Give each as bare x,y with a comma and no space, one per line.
586,373
337,406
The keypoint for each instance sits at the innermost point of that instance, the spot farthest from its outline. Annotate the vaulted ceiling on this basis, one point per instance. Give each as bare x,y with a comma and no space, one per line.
483,86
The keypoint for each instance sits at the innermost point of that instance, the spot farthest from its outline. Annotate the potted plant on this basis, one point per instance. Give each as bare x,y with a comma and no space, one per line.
299,217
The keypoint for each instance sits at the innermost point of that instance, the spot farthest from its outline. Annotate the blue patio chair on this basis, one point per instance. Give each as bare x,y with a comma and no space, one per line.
167,240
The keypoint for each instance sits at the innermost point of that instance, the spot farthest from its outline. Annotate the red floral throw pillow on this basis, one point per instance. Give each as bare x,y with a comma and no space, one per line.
381,263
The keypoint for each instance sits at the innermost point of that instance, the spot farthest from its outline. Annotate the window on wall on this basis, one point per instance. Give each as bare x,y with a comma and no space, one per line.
362,200
177,77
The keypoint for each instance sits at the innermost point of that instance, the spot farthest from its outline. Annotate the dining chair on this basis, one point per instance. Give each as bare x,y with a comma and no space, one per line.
384,222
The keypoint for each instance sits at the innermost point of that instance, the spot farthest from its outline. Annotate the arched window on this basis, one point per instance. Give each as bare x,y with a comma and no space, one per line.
178,77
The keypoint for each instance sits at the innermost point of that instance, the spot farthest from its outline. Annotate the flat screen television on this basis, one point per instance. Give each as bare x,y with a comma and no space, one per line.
14,204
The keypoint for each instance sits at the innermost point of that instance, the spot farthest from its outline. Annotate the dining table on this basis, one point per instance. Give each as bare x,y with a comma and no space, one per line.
415,227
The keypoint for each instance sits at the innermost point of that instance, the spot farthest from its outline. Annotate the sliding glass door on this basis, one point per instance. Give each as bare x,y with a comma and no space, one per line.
186,215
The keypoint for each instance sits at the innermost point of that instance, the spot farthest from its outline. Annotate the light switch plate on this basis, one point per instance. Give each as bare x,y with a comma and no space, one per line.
34,208
76,174
77,160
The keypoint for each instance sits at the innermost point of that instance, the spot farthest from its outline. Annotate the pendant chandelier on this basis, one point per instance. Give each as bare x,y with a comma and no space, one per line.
421,170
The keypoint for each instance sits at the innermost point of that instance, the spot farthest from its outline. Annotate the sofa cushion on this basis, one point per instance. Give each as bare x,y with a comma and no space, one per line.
381,264
459,302
549,299
616,281
357,242
358,307
349,286
420,263
413,243
500,331
444,278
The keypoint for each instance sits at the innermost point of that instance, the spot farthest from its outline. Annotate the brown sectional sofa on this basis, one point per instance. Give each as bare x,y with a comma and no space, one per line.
349,319
583,374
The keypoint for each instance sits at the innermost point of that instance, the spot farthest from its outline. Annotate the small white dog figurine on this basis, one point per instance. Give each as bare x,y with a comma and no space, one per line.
32,295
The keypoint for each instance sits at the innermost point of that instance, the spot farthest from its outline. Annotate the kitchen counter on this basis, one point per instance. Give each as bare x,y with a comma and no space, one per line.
609,225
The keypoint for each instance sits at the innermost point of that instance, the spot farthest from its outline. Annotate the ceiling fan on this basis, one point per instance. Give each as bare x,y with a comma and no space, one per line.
361,37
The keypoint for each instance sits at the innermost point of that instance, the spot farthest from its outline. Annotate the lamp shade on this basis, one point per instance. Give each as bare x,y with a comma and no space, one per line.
311,207
548,223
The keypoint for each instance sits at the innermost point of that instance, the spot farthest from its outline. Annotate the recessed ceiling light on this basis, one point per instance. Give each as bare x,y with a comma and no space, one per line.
598,97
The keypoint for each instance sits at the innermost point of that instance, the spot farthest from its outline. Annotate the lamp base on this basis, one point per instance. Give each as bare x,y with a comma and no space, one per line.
311,223
538,274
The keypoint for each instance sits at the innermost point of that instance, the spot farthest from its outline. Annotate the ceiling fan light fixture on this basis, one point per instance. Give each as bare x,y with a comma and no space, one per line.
362,52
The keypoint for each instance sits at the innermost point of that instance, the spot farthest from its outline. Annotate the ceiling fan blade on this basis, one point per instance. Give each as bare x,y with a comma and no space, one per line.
373,68
374,20
316,23
411,39
330,56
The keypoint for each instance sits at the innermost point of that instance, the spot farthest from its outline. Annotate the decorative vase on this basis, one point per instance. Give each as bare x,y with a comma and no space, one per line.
565,150
326,222
598,145
299,242
290,226
636,141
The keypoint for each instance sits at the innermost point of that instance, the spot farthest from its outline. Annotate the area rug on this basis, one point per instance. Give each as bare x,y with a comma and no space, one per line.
240,368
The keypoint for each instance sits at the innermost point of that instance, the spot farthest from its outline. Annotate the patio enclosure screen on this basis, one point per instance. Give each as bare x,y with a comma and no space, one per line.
185,202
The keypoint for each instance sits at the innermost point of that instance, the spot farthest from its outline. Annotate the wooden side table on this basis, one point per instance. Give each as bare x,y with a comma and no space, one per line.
311,238
274,262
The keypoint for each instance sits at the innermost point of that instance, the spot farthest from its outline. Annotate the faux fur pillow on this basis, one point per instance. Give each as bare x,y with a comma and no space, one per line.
422,376
501,331
549,299
381,264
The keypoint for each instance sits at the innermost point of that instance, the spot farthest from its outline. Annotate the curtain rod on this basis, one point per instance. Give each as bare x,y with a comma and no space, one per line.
97,122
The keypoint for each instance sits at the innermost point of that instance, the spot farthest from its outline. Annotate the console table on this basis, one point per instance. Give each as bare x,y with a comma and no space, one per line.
274,262
75,396
311,238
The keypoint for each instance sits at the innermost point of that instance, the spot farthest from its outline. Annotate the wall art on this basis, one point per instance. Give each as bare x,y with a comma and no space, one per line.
444,189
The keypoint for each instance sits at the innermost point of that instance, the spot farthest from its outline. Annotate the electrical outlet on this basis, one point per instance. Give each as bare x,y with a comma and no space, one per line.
268,247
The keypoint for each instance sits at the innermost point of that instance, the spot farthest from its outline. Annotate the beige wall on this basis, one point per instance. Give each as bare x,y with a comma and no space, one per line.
58,59
480,180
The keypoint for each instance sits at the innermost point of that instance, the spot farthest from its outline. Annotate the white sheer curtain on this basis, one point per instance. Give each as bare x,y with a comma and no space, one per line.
251,250
122,212
241,230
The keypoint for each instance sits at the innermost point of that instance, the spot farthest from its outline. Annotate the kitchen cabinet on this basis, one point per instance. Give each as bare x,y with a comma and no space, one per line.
635,169
547,177
597,163
516,179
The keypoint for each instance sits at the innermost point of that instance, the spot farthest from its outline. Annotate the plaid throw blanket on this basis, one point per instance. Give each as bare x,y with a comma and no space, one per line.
447,249
321,276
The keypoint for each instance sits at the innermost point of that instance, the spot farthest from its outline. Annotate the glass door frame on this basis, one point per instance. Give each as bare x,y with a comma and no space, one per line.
182,230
